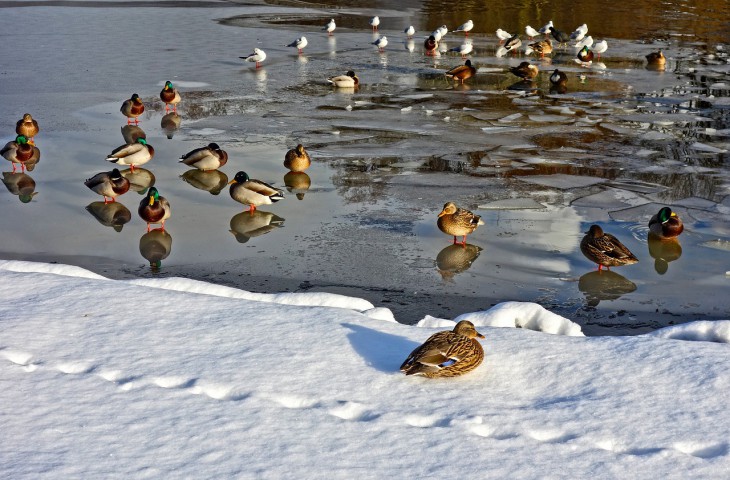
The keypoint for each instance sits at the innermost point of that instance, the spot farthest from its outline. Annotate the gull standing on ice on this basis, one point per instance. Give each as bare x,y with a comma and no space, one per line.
463,49
409,31
257,56
579,33
299,43
503,36
600,47
381,43
330,27
531,32
546,28
374,22
466,28
586,42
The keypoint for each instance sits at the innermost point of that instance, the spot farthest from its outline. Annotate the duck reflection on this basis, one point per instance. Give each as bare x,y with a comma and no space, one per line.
559,88
139,180
212,181
170,123
297,183
456,259
604,285
663,252
20,184
155,246
245,225
112,214
523,86
132,133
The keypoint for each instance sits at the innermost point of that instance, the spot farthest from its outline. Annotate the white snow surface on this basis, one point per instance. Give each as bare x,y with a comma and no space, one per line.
170,379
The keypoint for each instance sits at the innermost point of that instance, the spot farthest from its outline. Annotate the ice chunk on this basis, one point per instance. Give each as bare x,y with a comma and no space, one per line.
562,181
703,147
512,204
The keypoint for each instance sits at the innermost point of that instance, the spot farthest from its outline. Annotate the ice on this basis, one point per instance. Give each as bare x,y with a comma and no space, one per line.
703,147
718,244
510,118
550,119
562,181
512,204
609,199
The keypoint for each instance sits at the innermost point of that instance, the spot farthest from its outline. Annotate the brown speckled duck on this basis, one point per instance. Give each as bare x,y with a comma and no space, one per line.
544,47
666,224
656,59
525,70
27,127
458,221
132,109
447,354
297,159
605,250
462,72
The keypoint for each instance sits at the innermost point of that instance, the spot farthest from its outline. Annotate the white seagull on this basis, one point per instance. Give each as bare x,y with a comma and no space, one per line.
299,43
600,47
502,35
531,32
436,34
257,56
586,42
466,28
579,32
381,43
443,29
330,27
463,49
546,28
374,22
409,31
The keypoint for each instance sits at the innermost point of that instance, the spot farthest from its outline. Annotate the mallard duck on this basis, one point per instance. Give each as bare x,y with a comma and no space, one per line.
604,249
513,43
381,43
558,77
458,221
108,184
666,224
531,32
431,45
132,109
27,127
374,22
503,36
561,37
465,27
154,208
525,70
18,151
447,353
297,159
330,27
20,184
170,96
257,56
656,58
253,192
205,158
546,28
113,214
543,47
299,43
132,154
600,47
585,55
349,80
462,72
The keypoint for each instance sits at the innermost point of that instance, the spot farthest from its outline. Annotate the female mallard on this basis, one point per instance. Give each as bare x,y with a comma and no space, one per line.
206,158
348,80
253,192
27,127
462,72
605,249
543,47
585,55
525,70
457,221
18,151
447,354
108,184
297,159
656,59
431,45
132,154
170,96
132,108
558,78
154,209
666,224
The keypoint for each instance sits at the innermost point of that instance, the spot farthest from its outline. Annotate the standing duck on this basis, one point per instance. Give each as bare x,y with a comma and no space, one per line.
525,70
666,224
154,208
297,159
605,250
108,184
458,221
132,109
18,151
170,96
349,80
205,158
431,45
585,55
462,72
446,354
543,47
27,127
253,192
132,154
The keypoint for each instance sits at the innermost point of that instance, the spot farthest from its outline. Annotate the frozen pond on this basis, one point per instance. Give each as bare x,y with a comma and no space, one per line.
540,166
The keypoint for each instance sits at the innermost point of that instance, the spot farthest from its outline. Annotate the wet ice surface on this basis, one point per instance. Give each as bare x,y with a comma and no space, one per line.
539,166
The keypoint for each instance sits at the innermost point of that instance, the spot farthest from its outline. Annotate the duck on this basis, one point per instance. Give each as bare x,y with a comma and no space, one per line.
257,56
531,32
18,152
431,45
656,59
154,208
585,55
543,47
600,47
447,354
253,192
297,159
605,250
525,70
374,22
170,96
381,43
464,49
561,37
558,77
27,127
132,154
205,158
513,43
666,224
132,108
458,221
349,80
108,184
465,27
462,72
503,36
330,27
299,43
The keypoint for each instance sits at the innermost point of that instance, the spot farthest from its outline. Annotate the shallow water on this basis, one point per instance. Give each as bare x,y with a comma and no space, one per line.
540,167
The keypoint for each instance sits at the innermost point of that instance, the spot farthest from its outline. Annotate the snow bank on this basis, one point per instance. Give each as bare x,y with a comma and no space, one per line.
56,269
703,331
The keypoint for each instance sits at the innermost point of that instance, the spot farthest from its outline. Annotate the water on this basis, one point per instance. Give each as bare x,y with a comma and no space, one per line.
539,166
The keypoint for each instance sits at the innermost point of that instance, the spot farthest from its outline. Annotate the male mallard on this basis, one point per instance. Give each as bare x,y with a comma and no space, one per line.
108,184
27,127
462,72
585,55
154,209
605,249
465,27
132,108
666,224
132,154
253,192
297,159
656,59
257,56
18,151
447,354
558,77
543,47
513,43
348,80
170,96
561,37
431,45
205,158
299,43
525,70
458,221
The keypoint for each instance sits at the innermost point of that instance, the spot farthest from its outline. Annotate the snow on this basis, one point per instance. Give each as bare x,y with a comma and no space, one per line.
170,378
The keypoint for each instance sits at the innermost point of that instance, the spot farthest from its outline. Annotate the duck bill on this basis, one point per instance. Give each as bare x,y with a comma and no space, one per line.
232,182
443,212
152,201
479,335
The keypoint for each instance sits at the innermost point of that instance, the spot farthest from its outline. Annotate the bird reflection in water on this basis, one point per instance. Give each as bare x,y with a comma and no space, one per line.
112,214
604,285
523,86
663,251
245,225
170,123
456,259
297,183
20,184
212,181
132,133
139,180
155,246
